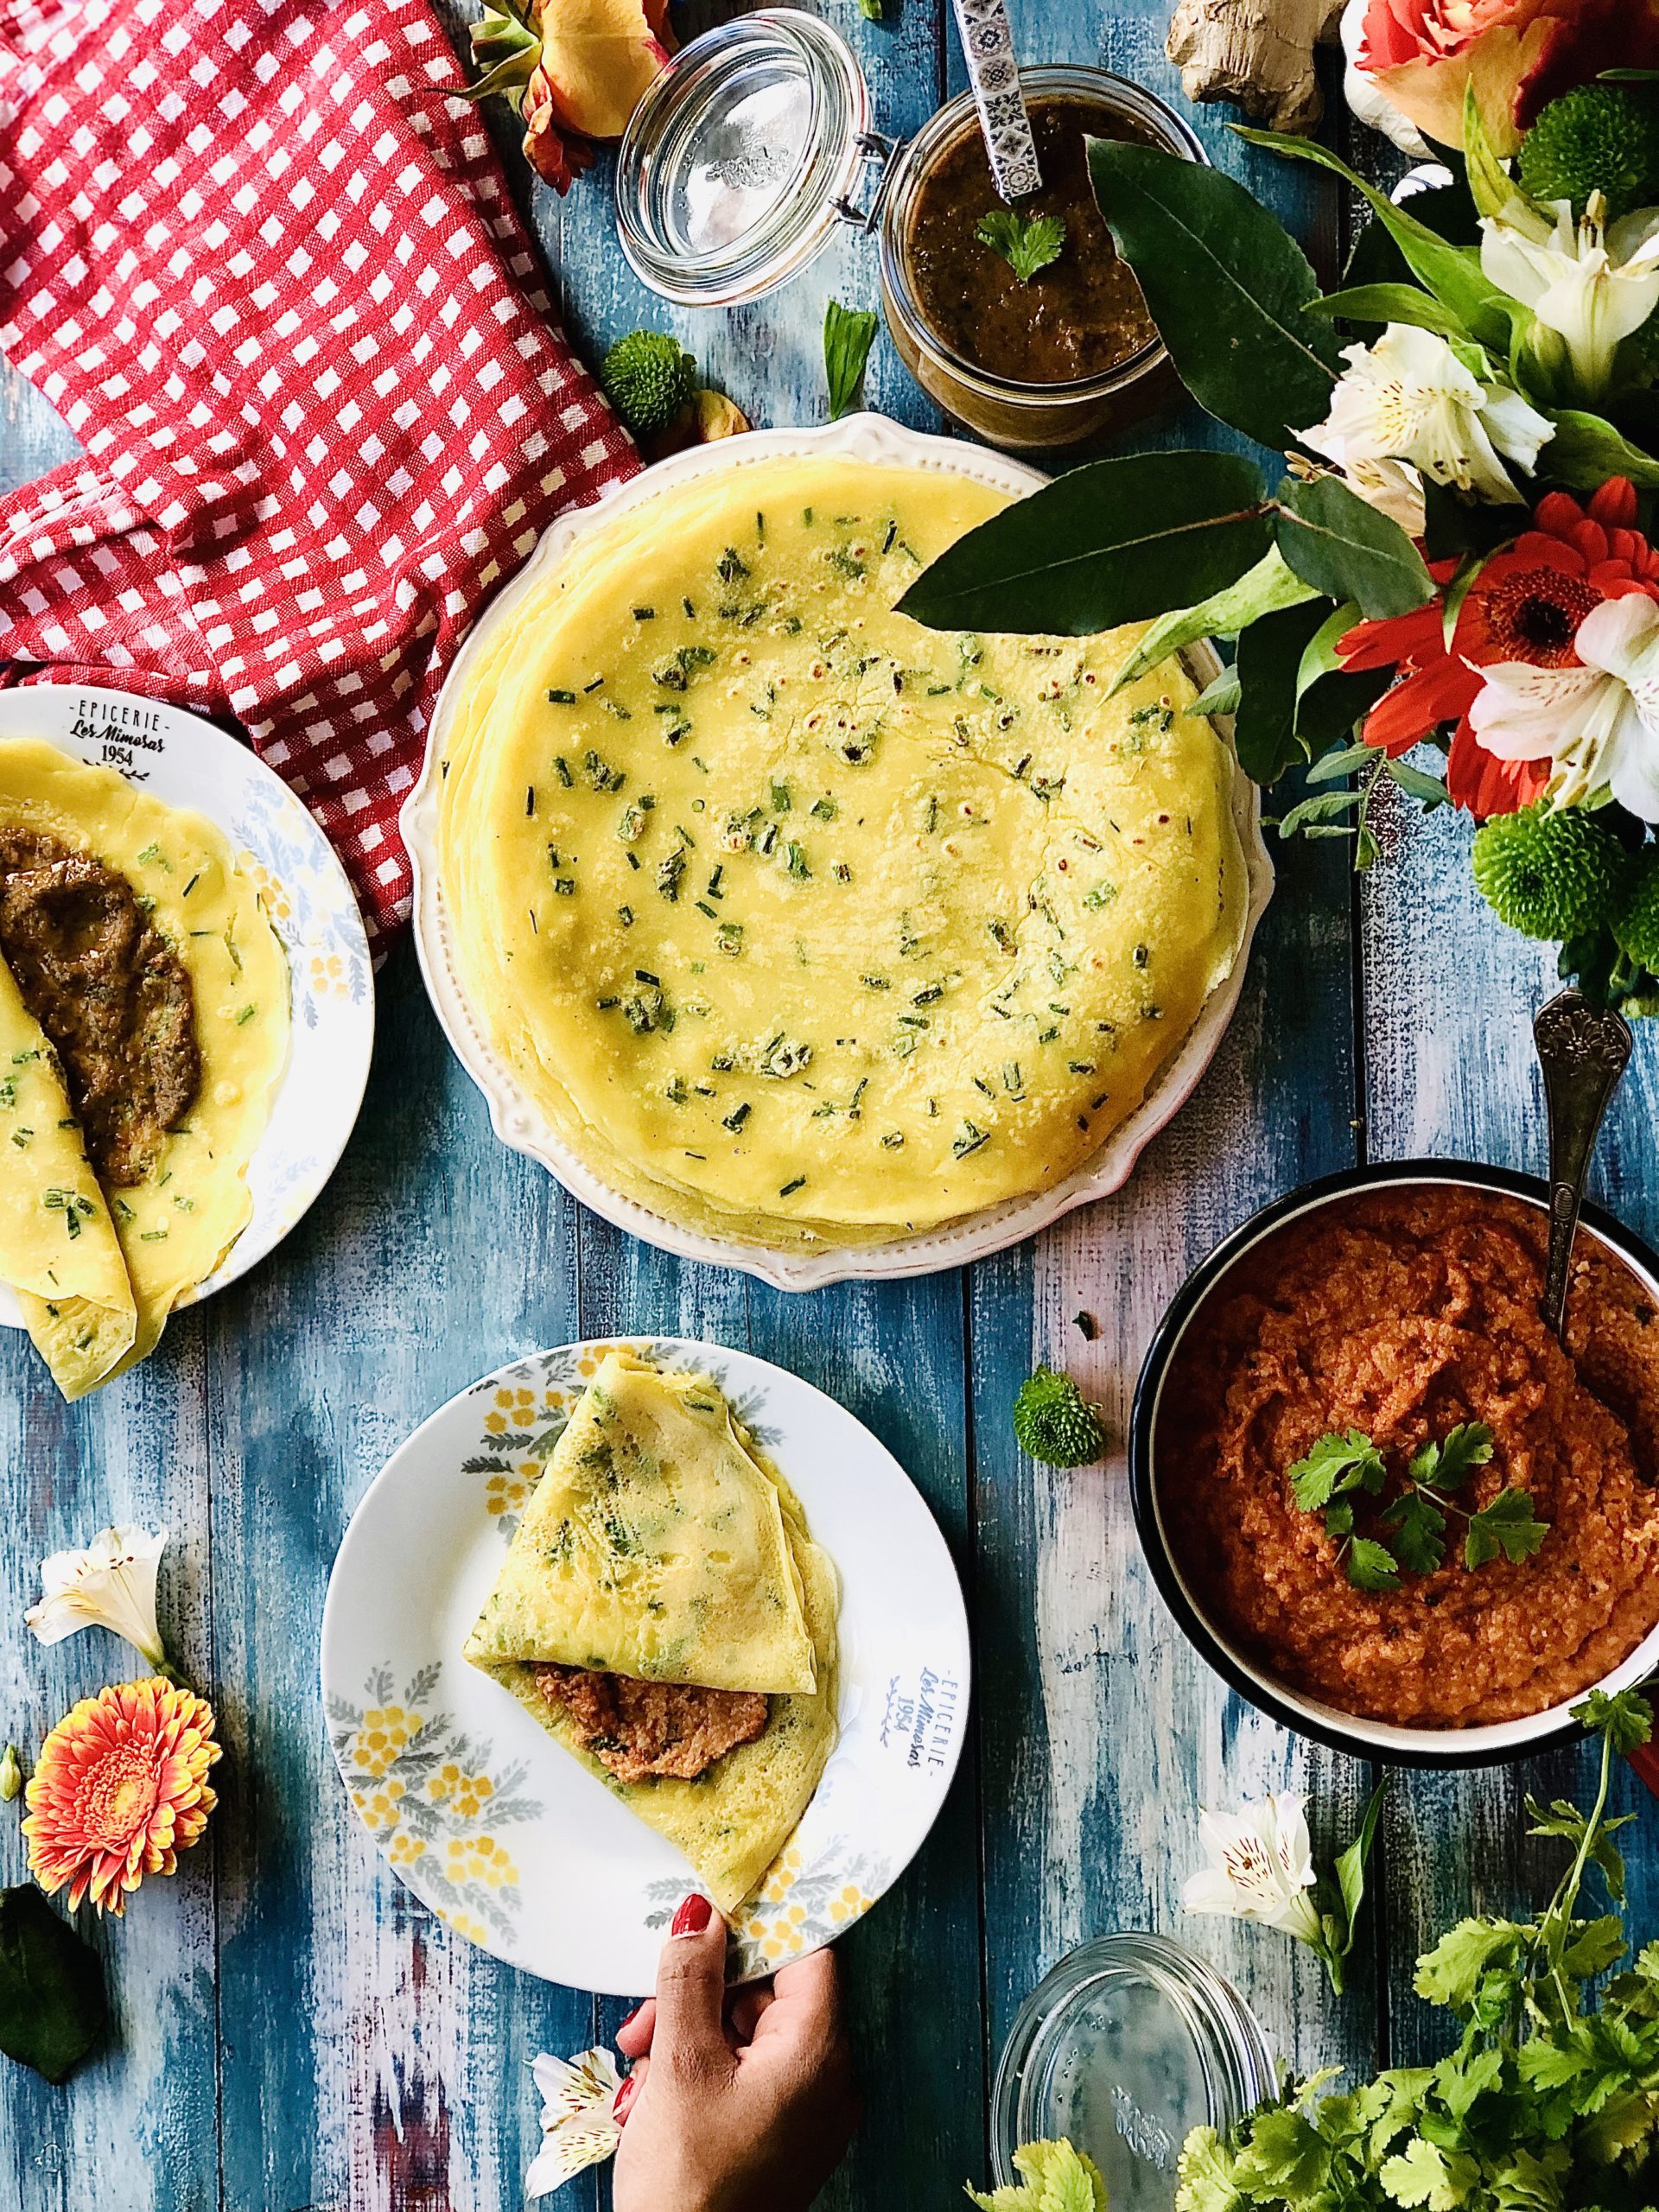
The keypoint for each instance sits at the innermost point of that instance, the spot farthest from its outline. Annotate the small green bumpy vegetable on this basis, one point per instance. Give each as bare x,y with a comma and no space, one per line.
11,1774
1055,1423
650,379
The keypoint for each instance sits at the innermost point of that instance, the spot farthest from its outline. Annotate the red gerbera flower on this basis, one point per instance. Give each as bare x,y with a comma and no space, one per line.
1526,605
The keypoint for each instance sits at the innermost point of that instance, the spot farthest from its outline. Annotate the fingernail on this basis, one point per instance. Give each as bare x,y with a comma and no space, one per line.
692,1917
623,2025
623,2100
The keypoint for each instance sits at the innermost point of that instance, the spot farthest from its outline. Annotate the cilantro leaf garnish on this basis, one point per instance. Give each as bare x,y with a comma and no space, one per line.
1625,1718
1372,1565
1418,1529
1449,1463
1027,243
1506,1525
1334,1466
1343,1466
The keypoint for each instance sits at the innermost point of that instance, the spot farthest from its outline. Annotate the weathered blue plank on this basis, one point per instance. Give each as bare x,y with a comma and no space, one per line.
1104,1735
1451,1073
371,2057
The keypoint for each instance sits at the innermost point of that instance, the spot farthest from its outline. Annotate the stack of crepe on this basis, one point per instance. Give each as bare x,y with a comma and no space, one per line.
798,922
659,1549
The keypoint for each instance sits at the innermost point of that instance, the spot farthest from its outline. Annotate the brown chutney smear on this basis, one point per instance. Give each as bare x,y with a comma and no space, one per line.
1402,1313
642,1732
1081,316
108,991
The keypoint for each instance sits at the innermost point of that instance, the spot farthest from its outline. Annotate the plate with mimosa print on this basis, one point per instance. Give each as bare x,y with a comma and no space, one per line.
488,1820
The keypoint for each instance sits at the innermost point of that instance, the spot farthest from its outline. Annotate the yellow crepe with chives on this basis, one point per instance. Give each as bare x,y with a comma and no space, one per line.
799,922
659,1544
731,1822
176,1224
58,1246
655,1546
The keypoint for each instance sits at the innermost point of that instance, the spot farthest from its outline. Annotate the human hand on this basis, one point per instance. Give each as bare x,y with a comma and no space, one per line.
745,2106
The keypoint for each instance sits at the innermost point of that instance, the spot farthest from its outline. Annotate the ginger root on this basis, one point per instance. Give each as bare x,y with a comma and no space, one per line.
1259,53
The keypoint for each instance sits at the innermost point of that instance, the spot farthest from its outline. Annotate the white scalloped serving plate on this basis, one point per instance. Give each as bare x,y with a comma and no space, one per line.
860,437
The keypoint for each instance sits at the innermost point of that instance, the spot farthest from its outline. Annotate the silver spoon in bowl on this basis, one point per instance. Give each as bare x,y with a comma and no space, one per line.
1583,1051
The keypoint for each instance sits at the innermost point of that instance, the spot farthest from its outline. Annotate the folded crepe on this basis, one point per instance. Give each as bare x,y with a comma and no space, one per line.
658,1546
58,1245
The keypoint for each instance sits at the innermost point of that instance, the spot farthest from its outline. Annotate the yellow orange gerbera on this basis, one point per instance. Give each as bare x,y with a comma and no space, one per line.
119,1790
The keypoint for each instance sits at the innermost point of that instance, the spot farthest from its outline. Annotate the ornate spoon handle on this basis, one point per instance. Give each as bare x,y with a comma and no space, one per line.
988,48
1583,1050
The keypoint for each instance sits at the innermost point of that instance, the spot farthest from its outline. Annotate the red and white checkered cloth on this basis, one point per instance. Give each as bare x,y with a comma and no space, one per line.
270,274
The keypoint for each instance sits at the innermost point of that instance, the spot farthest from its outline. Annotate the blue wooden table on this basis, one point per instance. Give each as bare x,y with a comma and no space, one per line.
291,2028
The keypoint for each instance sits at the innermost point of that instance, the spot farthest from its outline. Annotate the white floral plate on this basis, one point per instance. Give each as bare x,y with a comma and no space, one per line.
494,1825
861,437
188,762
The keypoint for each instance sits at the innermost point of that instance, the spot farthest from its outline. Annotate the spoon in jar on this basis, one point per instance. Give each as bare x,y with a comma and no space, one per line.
1582,1049
988,48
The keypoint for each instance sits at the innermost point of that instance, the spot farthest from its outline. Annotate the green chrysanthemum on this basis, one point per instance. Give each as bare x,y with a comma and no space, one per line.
1550,872
649,379
1598,137
1055,1422
1636,924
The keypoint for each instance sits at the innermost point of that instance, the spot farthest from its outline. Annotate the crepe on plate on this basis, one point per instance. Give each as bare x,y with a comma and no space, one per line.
110,897
798,923
659,1547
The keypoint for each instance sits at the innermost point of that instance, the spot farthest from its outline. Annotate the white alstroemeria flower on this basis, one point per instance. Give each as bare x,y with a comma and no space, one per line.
1598,723
1592,283
1260,1868
1410,398
579,2127
111,1585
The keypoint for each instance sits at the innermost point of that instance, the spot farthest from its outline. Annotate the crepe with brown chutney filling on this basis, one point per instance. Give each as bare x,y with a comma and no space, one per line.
110,992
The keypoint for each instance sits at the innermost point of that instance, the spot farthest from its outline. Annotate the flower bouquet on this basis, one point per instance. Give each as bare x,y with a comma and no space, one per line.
1456,553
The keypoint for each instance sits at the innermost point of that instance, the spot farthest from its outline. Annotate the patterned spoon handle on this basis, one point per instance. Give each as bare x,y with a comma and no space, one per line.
988,47
1583,1050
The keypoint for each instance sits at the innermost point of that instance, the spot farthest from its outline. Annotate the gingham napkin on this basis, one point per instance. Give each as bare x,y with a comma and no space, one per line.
270,274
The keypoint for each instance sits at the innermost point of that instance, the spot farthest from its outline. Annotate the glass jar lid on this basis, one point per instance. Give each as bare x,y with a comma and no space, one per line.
741,158
1125,2048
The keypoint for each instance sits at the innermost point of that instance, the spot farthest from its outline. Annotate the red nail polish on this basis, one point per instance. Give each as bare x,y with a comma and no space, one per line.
693,1917
623,2024
623,2100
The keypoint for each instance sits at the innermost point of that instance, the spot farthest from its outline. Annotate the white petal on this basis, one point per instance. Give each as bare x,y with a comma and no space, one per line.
1209,1891
1622,637
1521,713
568,2151
1517,428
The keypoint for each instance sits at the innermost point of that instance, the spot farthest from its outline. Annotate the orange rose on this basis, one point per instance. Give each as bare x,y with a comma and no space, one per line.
1518,54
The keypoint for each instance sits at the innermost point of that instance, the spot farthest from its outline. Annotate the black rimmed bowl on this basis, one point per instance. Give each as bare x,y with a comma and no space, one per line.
1487,1744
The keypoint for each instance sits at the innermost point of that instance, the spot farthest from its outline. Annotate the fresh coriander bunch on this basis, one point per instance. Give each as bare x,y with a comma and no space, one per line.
1547,2095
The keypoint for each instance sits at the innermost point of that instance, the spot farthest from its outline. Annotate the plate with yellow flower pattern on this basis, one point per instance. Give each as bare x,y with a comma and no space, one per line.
484,1816
281,849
